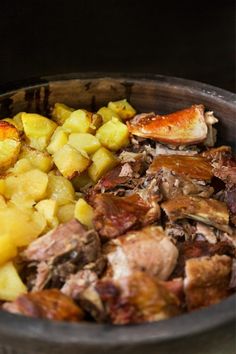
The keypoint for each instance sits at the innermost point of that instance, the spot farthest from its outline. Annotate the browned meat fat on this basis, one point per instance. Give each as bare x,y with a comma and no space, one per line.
207,280
184,127
115,215
137,298
208,211
50,304
195,167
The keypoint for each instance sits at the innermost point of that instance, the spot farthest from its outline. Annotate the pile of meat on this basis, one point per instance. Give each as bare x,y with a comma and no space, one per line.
164,234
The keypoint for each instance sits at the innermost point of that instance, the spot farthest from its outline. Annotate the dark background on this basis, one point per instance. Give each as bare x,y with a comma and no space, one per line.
190,39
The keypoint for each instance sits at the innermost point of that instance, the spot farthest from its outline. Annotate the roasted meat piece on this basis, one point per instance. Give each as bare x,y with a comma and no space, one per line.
122,176
208,211
115,215
207,280
137,298
61,252
50,304
67,237
196,249
185,127
195,167
217,154
148,250
77,283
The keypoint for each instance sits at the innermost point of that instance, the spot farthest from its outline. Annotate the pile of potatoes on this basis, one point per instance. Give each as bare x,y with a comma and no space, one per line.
43,165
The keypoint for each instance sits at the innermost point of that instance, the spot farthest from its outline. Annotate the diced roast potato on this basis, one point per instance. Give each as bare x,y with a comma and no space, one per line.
32,183
24,227
48,208
39,159
8,131
21,166
84,213
11,285
70,162
10,121
58,140
61,112
107,113
38,129
9,151
18,121
122,108
2,186
8,249
103,161
82,121
113,135
60,189
66,212
9,145
85,142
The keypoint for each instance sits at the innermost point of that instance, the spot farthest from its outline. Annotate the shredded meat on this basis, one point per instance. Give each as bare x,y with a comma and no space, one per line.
115,215
207,280
61,252
148,250
50,304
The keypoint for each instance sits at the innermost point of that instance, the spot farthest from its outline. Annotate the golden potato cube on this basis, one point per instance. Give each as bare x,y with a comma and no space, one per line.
70,162
23,227
66,212
2,186
11,285
61,112
8,249
48,208
123,109
18,121
21,166
9,145
60,189
114,135
9,151
32,183
84,213
8,131
23,202
3,203
85,142
81,181
38,129
107,113
10,121
58,140
38,159
82,121
103,161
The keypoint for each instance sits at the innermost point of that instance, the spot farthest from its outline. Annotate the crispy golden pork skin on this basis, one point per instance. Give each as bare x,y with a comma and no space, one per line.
185,127
207,280
114,215
50,304
208,211
195,167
